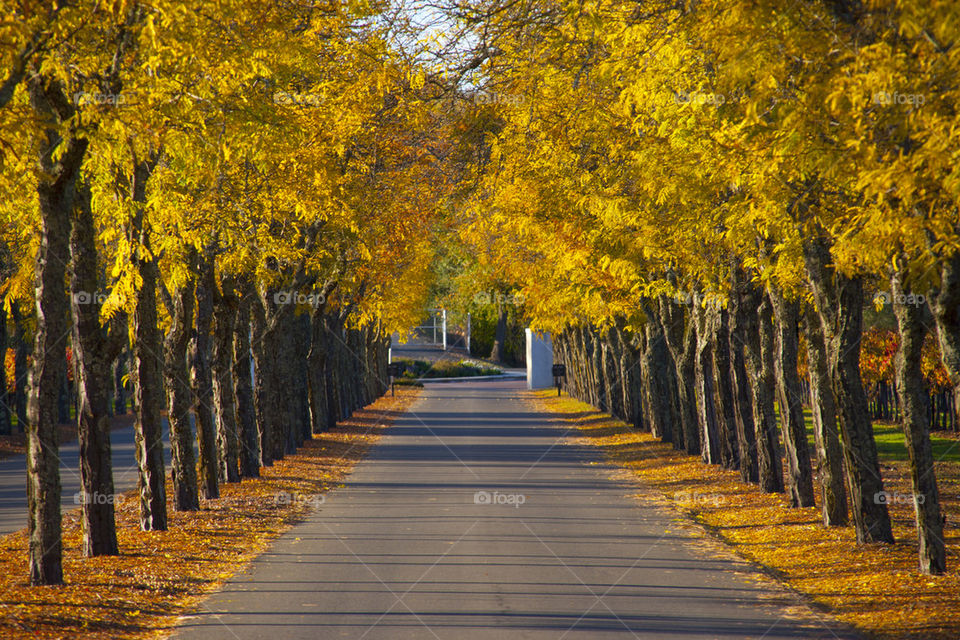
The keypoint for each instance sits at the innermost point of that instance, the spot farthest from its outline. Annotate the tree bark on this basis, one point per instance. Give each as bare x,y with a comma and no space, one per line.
706,409
945,304
681,338
93,354
726,415
224,318
794,432
833,492
55,192
839,301
183,463
203,383
499,351
658,381
317,360
916,426
743,404
758,335
148,380
243,390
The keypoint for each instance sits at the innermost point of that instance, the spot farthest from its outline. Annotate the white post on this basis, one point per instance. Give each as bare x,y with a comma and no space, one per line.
468,334
539,361
444,329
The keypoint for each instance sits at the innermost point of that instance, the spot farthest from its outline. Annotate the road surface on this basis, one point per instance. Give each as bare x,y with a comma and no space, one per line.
471,520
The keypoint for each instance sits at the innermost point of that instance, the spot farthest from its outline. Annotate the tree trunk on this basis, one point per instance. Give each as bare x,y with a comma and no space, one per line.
499,350
223,387
92,356
799,472
55,192
916,426
743,405
839,302
833,492
183,463
945,304
706,409
681,337
657,381
203,383
243,390
758,337
317,360
148,380
726,415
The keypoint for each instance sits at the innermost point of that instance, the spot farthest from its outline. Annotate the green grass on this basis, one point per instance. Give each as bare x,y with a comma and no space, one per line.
445,369
891,442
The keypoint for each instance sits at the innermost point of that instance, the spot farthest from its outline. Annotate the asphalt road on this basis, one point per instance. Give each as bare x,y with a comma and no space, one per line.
471,520
13,477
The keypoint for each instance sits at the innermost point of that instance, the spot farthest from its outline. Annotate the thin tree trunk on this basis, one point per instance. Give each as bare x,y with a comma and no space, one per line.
203,383
148,380
93,355
706,409
183,463
225,311
796,449
945,304
243,390
758,336
658,381
743,405
317,360
726,415
839,302
833,492
681,336
55,192
916,426
498,352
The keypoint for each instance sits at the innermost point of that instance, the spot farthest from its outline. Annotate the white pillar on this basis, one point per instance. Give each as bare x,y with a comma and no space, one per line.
539,360
444,329
468,334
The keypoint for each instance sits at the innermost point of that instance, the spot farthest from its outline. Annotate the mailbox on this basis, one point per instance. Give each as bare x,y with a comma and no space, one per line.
395,368
559,371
